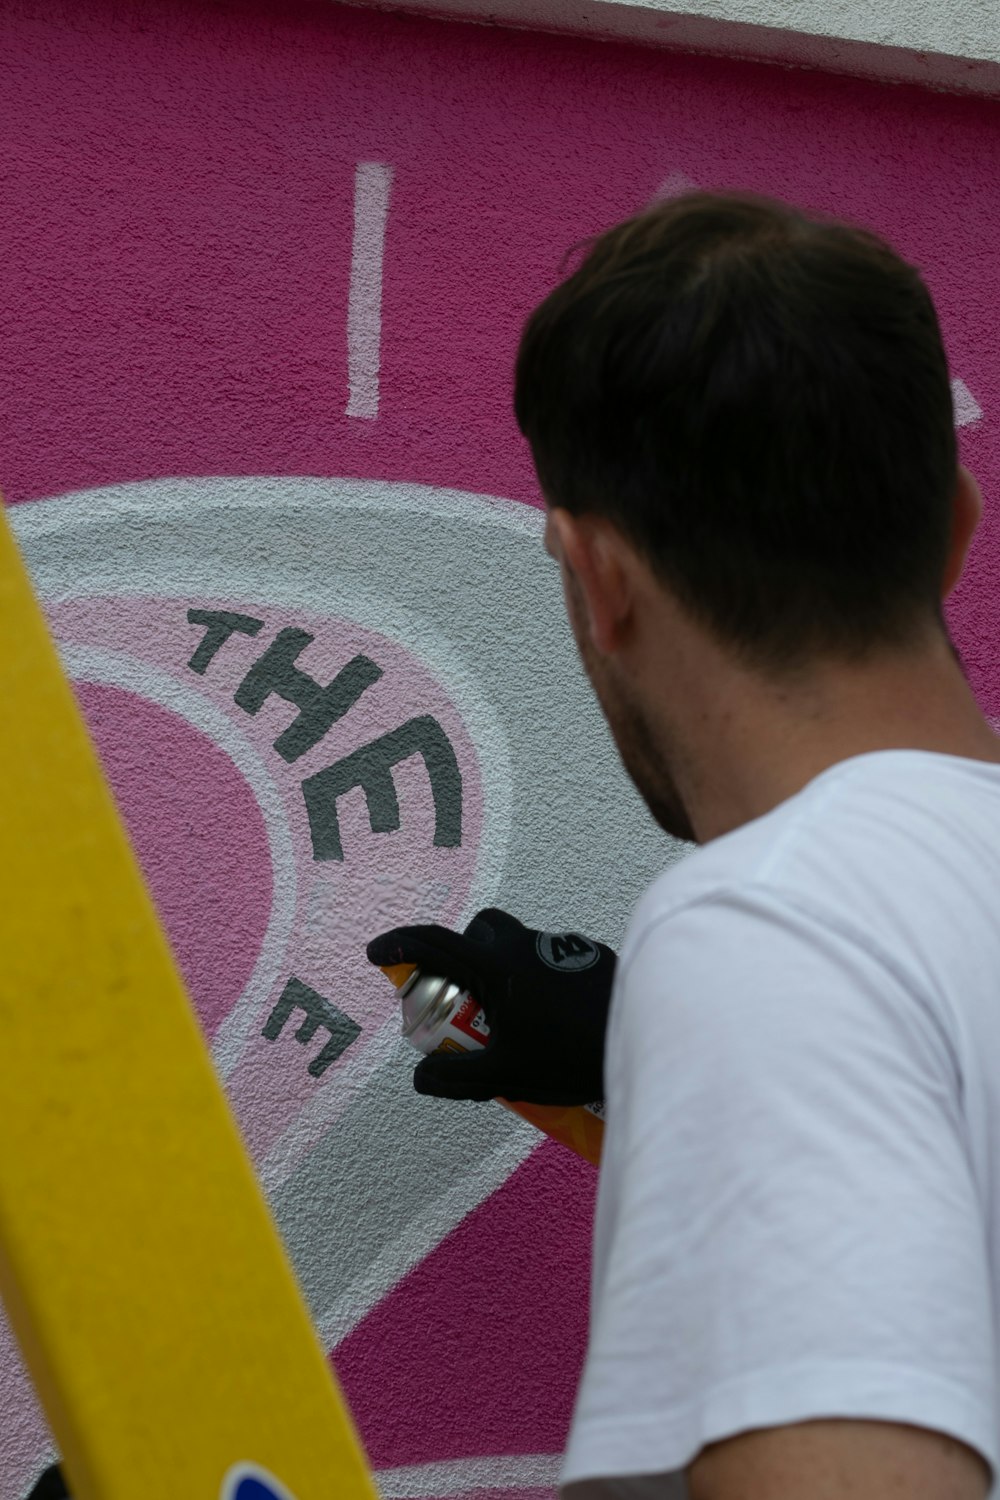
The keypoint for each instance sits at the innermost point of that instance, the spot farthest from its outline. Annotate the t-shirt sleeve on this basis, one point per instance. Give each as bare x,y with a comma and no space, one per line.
788,1225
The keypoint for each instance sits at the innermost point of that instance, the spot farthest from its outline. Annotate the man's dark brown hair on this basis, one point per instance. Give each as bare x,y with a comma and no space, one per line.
760,400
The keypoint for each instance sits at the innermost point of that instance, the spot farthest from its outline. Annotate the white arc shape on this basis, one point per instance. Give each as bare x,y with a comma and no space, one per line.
422,1235
458,1476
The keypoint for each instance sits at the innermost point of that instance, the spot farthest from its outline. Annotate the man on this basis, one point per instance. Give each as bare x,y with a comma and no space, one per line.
741,421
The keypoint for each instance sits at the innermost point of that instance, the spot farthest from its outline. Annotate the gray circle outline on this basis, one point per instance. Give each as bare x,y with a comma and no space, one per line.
567,968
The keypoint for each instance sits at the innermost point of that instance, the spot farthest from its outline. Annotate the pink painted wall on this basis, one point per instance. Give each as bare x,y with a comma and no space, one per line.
176,235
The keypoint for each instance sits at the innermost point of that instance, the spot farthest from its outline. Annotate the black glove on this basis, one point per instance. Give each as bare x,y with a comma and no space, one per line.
50,1486
545,997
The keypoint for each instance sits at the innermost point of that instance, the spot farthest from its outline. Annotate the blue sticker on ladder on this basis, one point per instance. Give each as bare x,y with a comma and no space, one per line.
250,1482
255,1489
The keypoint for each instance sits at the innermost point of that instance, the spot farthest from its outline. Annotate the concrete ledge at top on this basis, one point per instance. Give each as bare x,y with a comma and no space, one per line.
952,47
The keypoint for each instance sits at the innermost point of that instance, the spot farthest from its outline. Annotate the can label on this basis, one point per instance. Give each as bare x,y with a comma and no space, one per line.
470,1019
463,1030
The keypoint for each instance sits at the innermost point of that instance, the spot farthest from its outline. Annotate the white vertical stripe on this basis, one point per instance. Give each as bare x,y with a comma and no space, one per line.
967,408
673,186
372,182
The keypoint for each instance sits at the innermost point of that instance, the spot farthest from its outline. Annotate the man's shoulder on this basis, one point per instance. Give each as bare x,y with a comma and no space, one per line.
867,838
746,858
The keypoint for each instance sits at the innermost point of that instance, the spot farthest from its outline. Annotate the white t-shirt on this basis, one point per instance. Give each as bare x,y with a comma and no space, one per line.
799,1206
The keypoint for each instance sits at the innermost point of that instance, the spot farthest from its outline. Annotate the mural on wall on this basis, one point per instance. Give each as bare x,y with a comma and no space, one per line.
304,755
249,243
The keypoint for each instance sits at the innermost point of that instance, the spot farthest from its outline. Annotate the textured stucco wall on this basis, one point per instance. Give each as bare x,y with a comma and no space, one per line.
245,243
966,28
955,47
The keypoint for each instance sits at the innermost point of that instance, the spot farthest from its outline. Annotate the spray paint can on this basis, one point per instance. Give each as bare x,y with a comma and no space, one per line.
439,1016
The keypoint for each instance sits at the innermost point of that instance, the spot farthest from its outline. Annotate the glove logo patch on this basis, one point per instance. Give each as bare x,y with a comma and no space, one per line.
567,951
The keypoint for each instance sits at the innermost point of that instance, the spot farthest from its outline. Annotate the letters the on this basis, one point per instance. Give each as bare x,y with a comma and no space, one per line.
219,624
371,769
319,706
317,1012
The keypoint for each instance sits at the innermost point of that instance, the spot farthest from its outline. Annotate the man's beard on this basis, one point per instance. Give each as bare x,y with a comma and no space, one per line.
643,761
637,745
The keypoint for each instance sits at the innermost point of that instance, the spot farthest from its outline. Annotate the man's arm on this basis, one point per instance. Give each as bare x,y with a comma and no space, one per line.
839,1460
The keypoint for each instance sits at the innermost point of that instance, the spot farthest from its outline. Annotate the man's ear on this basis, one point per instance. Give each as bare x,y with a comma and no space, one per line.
597,576
966,511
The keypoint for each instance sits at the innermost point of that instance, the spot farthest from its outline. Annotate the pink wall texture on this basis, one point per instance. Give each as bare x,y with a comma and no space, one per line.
265,266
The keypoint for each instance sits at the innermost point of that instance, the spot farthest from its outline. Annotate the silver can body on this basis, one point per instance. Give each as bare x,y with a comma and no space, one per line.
439,1016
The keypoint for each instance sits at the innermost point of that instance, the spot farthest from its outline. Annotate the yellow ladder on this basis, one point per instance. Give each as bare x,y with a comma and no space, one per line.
141,1271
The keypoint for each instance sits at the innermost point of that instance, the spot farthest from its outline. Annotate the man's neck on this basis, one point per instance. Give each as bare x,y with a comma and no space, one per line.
739,743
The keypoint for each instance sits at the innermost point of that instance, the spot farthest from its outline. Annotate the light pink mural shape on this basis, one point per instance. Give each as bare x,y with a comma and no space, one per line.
178,236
